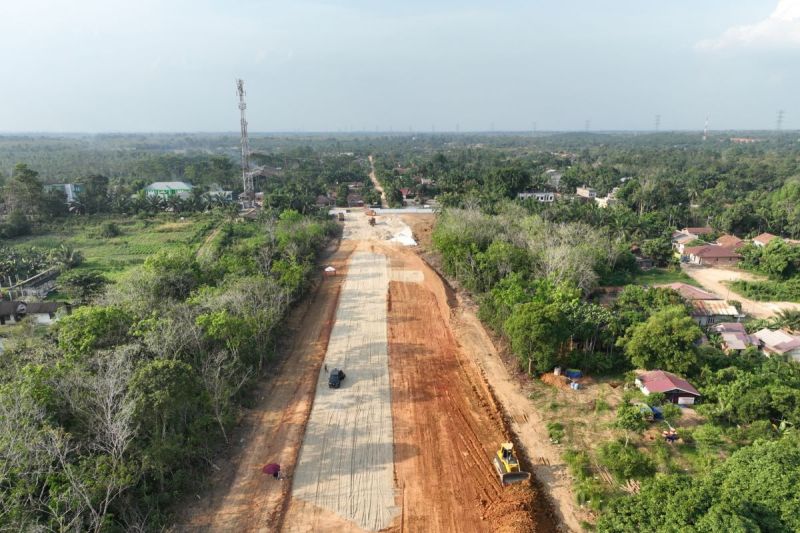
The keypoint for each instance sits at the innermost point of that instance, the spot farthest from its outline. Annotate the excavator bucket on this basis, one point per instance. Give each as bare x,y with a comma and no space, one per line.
509,478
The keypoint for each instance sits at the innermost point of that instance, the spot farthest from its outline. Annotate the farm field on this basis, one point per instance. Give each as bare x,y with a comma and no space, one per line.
138,238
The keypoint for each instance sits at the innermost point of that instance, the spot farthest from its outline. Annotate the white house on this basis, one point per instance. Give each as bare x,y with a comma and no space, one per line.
586,192
539,196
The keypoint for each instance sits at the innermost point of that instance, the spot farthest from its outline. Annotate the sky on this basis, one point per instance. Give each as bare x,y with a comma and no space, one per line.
391,65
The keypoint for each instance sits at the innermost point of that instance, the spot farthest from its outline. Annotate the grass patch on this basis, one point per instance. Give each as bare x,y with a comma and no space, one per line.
769,290
661,276
137,238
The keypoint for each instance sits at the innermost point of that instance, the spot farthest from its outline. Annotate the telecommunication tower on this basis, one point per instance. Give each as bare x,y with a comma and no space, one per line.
779,124
247,176
658,122
705,130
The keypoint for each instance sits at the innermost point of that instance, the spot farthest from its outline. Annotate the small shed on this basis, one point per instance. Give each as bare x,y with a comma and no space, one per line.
329,271
675,389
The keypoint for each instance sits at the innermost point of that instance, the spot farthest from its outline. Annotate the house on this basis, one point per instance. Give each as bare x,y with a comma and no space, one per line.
12,312
70,190
730,241
707,308
405,191
609,200
735,337
779,342
322,201
707,312
681,240
688,292
697,232
586,193
675,389
763,239
538,196
711,255
167,189
354,200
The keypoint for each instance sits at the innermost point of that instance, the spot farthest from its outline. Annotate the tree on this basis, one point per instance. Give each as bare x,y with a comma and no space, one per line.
82,286
91,328
666,341
658,249
537,333
25,192
94,196
631,419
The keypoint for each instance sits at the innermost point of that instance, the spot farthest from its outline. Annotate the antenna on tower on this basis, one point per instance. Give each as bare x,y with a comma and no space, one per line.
247,176
779,123
658,122
705,130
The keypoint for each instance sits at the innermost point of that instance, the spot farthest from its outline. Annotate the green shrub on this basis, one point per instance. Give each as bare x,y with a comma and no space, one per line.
625,462
555,430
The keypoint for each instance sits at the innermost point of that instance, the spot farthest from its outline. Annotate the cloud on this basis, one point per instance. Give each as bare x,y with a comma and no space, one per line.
780,30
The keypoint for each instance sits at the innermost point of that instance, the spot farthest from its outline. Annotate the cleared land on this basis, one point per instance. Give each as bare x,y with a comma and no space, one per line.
405,445
716,280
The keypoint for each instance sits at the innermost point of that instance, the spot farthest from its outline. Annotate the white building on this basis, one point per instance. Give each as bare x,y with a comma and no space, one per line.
779,342
586,192
539,196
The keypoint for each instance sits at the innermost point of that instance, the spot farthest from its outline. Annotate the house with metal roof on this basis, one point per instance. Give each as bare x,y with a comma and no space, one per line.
675,389
779,342
735,337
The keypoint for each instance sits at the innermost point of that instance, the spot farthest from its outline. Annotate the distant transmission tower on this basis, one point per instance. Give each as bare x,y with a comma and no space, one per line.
779,123
247,176
658,122
588,125
705,130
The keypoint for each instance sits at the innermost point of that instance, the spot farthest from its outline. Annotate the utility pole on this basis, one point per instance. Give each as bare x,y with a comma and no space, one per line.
247,176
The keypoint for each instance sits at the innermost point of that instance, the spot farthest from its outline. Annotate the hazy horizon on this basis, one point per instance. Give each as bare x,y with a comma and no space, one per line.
121,66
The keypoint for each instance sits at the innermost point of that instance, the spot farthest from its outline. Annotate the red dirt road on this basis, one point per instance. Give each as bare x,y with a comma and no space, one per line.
446,424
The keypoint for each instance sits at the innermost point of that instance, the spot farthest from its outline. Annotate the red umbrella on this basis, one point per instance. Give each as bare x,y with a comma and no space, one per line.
271,469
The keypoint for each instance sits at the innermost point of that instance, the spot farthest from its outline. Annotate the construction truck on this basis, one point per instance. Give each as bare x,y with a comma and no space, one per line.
507,466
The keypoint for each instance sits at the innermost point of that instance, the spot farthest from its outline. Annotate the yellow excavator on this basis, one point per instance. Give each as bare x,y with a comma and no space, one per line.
507,466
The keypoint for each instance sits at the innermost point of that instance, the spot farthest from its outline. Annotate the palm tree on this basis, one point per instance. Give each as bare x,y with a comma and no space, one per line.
788,318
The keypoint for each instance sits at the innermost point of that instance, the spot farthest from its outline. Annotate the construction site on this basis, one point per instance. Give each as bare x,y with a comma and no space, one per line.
410,440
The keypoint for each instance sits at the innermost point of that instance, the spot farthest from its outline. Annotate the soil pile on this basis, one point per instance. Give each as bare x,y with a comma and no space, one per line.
513,511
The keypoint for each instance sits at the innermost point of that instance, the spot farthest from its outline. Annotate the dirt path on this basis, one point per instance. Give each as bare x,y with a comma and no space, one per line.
713,280
376,183
241,497
203,250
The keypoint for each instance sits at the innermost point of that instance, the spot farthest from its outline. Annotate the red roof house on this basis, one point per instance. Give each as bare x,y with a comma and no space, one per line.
691,293
696,232
712,254
764,239
675,389
730,241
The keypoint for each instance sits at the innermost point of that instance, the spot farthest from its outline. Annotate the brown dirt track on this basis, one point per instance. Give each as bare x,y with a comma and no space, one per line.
447,425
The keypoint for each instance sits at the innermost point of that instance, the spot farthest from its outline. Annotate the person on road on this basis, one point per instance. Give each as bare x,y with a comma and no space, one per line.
326,368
